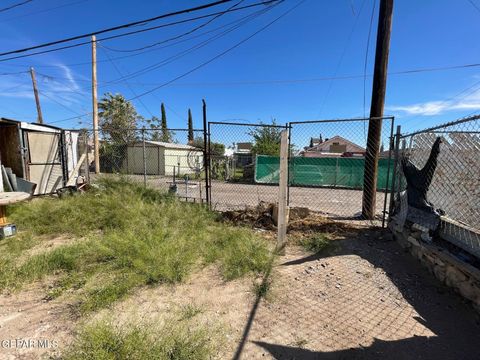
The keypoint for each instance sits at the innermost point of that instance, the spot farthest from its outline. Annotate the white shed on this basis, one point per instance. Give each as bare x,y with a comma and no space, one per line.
162,158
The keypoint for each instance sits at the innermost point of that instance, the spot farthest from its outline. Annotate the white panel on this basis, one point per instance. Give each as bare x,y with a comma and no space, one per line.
47,177
43,147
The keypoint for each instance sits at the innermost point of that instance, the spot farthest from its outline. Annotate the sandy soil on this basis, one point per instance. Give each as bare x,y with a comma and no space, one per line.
366,300
42,327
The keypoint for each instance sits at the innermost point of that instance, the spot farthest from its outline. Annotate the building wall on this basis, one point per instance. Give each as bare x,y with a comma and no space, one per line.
160,160
44,165
179,157
154,160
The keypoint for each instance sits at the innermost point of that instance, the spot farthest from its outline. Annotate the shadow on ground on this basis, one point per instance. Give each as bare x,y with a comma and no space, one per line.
410,315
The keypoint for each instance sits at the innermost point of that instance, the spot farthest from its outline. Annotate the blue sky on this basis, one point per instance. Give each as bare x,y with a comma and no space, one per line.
276,74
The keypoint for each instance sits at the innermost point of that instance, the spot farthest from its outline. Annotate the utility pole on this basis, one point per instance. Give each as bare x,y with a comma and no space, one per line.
96,143
376,109
37,99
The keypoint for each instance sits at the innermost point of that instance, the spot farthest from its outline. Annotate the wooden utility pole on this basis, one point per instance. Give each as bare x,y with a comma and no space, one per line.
96,142
37,99
376,109
282,194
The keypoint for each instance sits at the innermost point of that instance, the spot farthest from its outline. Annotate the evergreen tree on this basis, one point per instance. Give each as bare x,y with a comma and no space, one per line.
190,127
166,136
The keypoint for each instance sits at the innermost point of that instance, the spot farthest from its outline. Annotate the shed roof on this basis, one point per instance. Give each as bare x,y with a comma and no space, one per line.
32,126
168,145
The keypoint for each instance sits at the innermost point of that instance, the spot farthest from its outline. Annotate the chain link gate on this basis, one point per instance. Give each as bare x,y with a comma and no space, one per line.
237,166
326,165
327,162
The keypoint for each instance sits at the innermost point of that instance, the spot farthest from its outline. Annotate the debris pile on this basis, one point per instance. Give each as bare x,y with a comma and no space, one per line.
301,221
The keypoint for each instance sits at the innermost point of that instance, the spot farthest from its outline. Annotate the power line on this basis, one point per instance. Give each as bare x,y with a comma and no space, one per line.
59,103
121,27
185,52
45,10
347,43
177,36
118,27
148,50
15,5
283,81
126,83
222,53
474,5
13,73
208,61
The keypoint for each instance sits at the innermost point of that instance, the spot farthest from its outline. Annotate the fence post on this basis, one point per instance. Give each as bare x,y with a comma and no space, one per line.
391,146
144,159
289,126
395,172
206,157
282,194
87,162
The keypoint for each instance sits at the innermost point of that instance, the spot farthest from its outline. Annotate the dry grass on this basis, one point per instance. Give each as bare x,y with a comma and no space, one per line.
131,236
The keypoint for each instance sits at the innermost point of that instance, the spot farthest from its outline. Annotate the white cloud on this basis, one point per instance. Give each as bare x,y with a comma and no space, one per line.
61,88
429,108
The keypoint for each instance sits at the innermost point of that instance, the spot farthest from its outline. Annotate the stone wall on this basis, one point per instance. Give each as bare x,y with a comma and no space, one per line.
462,277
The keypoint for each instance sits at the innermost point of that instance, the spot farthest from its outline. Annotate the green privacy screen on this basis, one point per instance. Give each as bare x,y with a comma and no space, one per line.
304,171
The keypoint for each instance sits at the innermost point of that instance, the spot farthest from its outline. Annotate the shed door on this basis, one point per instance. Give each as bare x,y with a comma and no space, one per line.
44,164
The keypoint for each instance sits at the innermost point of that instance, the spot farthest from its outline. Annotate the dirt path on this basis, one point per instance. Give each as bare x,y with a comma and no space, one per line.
30,326
367,300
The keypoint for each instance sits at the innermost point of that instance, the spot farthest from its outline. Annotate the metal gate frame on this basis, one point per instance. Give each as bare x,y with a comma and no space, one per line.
290,127
208,177
391,149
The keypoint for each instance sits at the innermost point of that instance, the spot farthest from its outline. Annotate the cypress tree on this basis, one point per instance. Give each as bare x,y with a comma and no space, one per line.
190,126
164,128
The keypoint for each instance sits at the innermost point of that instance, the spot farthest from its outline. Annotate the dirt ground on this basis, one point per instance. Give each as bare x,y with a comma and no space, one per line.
366,299
341,203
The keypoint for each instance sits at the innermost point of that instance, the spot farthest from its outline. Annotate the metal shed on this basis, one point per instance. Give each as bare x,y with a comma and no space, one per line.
39,153
162,158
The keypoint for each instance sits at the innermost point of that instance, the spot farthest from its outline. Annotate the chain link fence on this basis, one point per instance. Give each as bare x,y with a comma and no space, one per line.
327,163
170,160
235,151
455,184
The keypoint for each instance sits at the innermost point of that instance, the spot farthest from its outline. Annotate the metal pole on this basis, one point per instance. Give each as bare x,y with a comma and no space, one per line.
289,162
282,194
376,109
144,159
206,158
391,145
96,142
395,172
87,162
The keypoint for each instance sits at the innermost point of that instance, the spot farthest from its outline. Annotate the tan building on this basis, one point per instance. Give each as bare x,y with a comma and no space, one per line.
162,158
335,146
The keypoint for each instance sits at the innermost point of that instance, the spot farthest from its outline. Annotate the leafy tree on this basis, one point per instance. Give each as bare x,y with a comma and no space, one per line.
118,118
190,127
153,126
165,135
217,149
266,140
